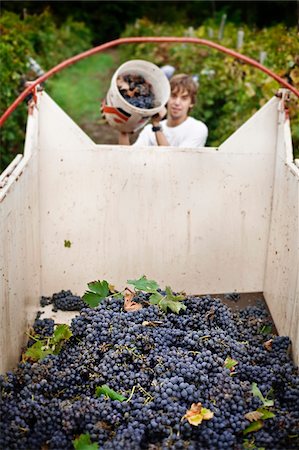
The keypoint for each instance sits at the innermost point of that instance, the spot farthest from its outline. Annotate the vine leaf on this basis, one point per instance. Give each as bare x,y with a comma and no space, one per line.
155,298
265,413
196,414
174,306
106,390
254,426
49,346
62,332
83,442
257,393
230,363
37,351
98,291
143,284
171,301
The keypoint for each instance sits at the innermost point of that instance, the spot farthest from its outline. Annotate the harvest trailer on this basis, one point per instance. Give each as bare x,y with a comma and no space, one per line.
208,220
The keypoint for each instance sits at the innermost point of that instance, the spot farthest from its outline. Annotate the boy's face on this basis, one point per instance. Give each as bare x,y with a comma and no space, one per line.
179,104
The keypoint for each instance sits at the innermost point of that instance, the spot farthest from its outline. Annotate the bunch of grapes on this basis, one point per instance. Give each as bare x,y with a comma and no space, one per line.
63,300
161,363
136,91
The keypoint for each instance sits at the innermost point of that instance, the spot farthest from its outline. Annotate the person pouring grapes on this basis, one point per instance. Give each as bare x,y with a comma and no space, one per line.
173,126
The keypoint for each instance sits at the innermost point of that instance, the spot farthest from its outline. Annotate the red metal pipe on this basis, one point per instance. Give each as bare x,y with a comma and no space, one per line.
134,40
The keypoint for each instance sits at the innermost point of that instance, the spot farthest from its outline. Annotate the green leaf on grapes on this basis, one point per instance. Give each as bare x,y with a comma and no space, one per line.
62,333
257,393
37,351
98,291
83,442
196,414
168,301
254,426
171,296
143,284
266,329
155,298
230,363
48,346
172,305
105,390
250,445
265,413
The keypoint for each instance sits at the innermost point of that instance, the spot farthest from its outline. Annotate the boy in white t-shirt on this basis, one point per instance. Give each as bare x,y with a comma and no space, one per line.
178,129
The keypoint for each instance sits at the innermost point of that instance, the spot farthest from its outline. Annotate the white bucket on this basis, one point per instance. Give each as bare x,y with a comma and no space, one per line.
122,115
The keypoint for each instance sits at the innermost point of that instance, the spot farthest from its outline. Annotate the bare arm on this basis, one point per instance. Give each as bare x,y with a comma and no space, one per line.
123,138
160,137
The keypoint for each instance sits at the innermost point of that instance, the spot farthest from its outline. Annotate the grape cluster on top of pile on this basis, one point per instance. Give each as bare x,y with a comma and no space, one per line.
162,363
63,300
136,91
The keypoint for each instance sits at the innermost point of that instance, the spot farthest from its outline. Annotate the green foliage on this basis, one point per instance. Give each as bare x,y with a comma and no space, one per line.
35,36
143,284
167,301
98,290
83,442
257,393
79,88
50,345
106,390
257,417
230,91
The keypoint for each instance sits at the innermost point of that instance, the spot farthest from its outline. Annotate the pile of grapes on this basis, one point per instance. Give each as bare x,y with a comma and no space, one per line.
136,91
156,365
63,300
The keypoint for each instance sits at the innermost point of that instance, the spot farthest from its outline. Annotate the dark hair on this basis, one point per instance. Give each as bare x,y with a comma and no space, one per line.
183,82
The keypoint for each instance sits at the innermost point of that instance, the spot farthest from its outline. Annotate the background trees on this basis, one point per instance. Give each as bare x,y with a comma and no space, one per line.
230,92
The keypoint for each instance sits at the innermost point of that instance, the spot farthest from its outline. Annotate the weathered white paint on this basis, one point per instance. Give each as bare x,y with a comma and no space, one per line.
195,219
19,250
281,287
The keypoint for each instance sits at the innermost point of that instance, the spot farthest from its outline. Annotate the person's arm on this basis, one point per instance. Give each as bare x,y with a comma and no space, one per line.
160,136
123,138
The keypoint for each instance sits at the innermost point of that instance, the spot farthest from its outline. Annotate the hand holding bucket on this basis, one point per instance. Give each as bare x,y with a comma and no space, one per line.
126,117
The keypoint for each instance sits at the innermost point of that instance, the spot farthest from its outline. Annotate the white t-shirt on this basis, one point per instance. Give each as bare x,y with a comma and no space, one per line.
190,133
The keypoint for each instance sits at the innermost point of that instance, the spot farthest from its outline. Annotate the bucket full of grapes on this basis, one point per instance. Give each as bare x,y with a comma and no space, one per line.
139,90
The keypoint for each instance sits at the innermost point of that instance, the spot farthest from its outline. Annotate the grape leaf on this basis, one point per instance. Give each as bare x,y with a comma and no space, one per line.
257,393
91,299
266,329
254,426
62,332
143,284
105,390
37,351
265,413
99,287
98,290
155,298
83,442
196,414
174,306
230,363
171,296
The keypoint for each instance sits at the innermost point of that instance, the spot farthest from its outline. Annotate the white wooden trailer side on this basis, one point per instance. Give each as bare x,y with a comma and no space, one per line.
201,220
